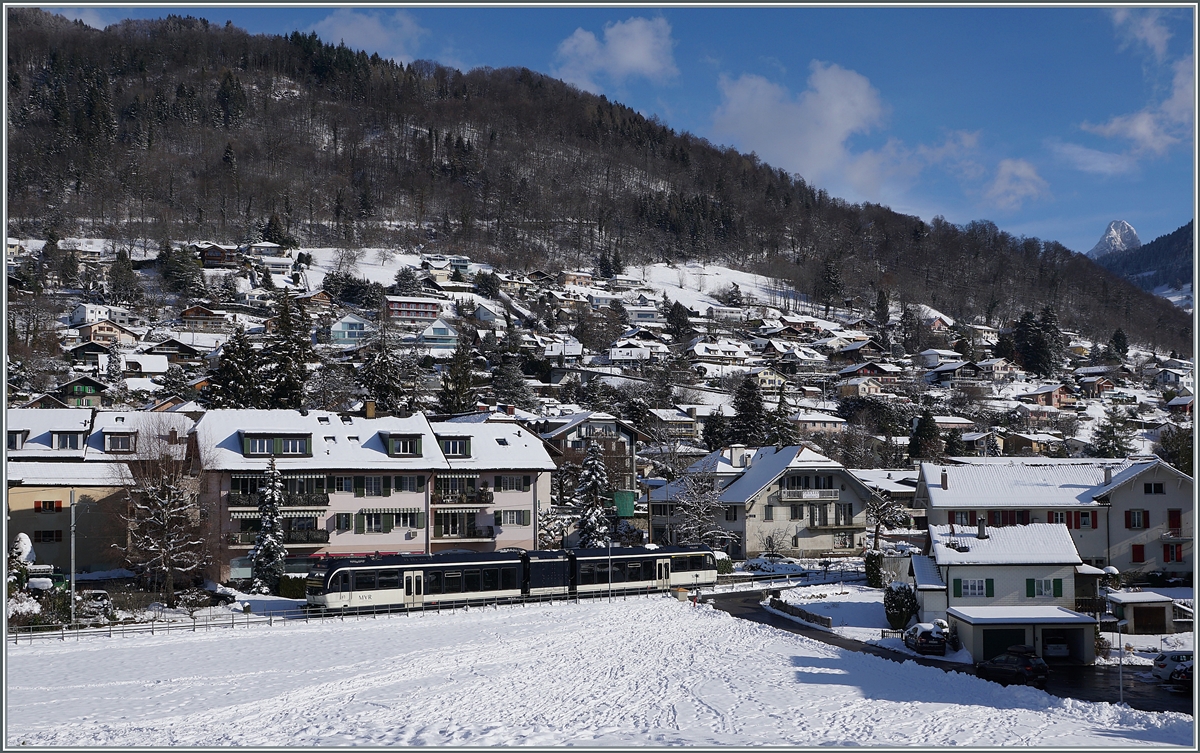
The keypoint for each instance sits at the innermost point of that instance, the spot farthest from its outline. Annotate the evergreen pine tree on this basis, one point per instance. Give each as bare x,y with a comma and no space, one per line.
1118,344
926,441
406,282
124,285
458,382
509,387
1113,435
678,323
551,529
112,370
716,430
882,311
955,447
267,557
780,429
618,264
748,425
287,355
830,289
1175,446
593,483
237,381
175,382
380,375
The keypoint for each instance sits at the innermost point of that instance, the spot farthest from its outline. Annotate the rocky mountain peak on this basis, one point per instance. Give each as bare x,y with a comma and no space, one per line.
1120,236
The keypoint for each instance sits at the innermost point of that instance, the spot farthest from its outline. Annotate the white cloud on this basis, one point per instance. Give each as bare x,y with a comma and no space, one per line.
394,35
636,47
1016,181
1155,128
1142,27
1093,160
93,17
807,134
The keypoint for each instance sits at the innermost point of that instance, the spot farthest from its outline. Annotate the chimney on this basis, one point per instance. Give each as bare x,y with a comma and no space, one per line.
737,455
945,480
369,408
983,534
173,437
691,412
510,409
1107,475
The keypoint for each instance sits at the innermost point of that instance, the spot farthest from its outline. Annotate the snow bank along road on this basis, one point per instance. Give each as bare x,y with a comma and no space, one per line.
647,671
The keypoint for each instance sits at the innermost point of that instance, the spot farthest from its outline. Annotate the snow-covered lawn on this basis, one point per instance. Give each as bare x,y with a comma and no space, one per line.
647,671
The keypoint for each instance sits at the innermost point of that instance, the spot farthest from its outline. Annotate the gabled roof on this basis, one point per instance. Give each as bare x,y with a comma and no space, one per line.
926,574
767,464
41,423
521,449
1033,544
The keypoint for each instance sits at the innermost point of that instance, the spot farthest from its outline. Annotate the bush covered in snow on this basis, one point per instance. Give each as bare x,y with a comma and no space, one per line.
899,604
873,562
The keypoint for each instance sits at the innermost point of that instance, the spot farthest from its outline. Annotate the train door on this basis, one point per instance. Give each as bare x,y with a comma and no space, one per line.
414,581
662,580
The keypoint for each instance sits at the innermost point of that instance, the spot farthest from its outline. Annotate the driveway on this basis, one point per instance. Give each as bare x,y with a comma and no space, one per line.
1097,683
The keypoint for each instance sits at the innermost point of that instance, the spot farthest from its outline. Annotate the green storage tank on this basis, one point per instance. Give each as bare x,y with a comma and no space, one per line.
623,499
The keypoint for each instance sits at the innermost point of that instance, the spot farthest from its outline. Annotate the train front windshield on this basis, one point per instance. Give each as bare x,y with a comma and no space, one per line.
314,584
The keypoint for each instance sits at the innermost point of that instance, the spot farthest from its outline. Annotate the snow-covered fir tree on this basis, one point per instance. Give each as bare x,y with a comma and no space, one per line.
552,527
237,382
508,385
269,553
593,483
748,425
458,382
287,355
780,429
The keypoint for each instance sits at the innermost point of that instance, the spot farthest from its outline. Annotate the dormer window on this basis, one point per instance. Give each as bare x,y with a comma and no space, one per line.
263,446
404,446
460,447
66,440
258,446
292,446
16,440
118,443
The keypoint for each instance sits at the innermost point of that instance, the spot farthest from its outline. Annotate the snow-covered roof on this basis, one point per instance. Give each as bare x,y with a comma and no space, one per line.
891,480
338,441
1137,597
1026,482
65,474
147,425
42,423
766,465
926,574
1033,544
520,449
1019,615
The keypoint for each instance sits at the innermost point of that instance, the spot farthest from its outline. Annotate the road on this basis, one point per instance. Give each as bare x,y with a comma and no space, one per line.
1098,683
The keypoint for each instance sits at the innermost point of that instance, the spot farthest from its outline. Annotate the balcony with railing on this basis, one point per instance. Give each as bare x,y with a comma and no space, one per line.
307,499
314,537
793,495
467,533
1091,604
828,525
478,498
1176,534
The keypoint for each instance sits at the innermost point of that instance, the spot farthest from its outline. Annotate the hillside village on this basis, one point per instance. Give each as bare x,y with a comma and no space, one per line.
544,408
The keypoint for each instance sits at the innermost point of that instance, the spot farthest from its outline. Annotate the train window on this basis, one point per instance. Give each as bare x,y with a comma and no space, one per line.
453,583
364,581
696,562
508,578
618,572
633,571
408,586
433,583
710,562
340,582
491,578
602,573
388,579
587,574
470,581
679,564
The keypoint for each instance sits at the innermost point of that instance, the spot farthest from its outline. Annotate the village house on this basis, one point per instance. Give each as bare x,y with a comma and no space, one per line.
933,357
953,372
570,434
1096,386
999,587
859,387
998,369
1134,514
811,421
413,309
216,255
575,277
107,333
203,319
81,392
350,330
883,373
1053,395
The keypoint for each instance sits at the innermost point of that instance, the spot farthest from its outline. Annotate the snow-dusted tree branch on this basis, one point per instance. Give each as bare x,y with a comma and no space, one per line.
698,510
884,513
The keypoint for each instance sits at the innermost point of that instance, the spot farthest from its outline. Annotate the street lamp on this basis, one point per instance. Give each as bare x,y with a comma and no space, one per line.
72,504
610,569
1121,666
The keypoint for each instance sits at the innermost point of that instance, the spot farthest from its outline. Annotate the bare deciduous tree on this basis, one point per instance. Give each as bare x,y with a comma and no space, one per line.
698,510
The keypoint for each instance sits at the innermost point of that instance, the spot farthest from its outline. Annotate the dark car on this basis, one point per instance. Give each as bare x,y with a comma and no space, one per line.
926,638
1019,665
1181,678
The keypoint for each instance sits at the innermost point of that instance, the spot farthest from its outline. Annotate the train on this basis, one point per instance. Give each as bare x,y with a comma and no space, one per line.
406,581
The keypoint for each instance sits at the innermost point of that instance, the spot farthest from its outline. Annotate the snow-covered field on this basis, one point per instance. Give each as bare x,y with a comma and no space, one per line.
648,671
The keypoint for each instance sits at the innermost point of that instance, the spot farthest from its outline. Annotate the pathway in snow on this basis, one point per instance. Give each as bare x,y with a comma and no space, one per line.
648,671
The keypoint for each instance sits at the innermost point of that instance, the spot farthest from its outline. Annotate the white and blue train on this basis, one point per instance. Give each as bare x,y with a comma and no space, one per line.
418,580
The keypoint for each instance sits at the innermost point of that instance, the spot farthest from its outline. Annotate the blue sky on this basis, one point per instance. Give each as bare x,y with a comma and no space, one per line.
1050,122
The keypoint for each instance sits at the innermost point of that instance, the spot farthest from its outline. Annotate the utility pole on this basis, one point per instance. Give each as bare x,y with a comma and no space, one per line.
72,556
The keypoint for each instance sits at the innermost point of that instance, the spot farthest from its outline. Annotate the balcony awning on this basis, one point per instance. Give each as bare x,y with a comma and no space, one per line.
457,475
299,513
243,515
389,510
248,475
460,508
290,474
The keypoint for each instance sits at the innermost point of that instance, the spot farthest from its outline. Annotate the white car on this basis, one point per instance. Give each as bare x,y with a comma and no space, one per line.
1165,663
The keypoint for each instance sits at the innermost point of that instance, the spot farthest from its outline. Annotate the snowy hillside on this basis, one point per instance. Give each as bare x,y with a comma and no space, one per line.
648,671
1181,297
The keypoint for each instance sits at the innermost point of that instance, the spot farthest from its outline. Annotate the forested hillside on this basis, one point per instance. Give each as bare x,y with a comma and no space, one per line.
1167,260
185,130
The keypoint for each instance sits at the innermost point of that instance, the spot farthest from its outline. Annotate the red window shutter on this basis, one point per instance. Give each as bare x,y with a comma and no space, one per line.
1095,518
1166,552
972,518
1068,518
1138,552
58,505
1129,518
1145,518
1077,520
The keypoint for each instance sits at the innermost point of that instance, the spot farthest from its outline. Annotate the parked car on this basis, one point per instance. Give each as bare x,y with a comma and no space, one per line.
1181,678
92,602
926,638
1165,663
1054,648
1019,665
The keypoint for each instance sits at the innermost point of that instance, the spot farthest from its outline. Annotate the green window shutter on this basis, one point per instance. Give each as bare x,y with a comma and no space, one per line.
1058,586
245,445
496,516
496,485
467,447
989,587
360,523
387,486
418,446
420,483
389,522
525,516
958,588
420,520
525,483
277,443
360,486
1029,587
329,484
